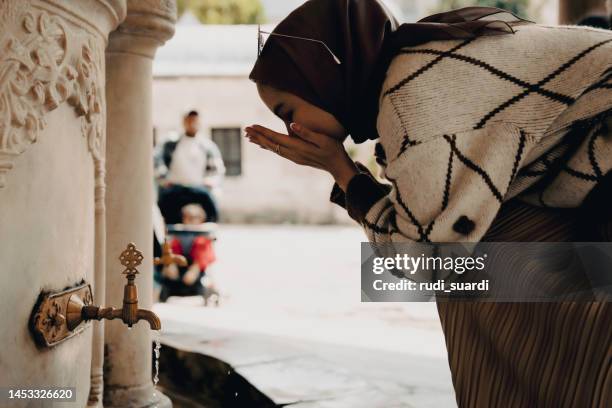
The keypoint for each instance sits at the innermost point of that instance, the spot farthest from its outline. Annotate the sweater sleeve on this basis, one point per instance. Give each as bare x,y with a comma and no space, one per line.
362,192
445,189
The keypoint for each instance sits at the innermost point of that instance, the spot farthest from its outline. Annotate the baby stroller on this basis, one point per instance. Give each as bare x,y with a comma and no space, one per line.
184,245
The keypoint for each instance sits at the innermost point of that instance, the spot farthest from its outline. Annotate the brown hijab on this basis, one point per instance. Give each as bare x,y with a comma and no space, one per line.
364,35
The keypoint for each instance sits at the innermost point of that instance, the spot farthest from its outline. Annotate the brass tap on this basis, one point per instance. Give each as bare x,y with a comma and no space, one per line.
78,312
169,258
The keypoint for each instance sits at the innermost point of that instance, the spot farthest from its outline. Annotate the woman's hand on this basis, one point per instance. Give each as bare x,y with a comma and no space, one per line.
307,148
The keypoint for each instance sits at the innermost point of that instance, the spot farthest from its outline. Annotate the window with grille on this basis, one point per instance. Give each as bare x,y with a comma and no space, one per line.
230,145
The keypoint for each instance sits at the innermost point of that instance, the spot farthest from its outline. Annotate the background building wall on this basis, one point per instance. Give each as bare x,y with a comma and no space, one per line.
206,67
270,189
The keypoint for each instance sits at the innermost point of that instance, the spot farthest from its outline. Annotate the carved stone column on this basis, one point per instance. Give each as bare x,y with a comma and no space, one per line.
149,23
52,131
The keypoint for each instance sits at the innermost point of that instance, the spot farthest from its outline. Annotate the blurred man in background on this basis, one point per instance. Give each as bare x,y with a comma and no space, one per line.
189,171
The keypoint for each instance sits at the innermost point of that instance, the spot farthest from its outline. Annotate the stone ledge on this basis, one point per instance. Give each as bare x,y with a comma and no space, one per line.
263,371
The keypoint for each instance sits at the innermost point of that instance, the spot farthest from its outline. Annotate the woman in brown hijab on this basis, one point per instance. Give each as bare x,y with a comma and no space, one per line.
489,128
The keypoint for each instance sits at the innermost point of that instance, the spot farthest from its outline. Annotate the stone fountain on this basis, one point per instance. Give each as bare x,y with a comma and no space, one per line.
75,187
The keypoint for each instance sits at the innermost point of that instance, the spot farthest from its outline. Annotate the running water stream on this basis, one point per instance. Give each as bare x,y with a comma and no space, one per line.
157,351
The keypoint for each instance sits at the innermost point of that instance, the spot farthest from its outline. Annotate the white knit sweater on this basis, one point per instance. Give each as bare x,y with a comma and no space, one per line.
467,125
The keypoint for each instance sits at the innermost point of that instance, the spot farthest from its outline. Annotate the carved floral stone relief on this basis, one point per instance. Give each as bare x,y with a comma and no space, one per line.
44,63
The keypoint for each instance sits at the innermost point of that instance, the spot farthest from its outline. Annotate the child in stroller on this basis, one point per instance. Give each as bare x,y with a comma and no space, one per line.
193,239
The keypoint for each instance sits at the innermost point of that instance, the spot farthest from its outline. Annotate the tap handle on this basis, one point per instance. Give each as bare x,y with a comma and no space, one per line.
169,258
131,257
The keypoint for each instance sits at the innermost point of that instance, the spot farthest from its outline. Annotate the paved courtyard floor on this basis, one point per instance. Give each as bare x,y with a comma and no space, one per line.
291,305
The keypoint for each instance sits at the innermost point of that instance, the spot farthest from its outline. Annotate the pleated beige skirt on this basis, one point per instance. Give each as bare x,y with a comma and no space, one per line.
530,354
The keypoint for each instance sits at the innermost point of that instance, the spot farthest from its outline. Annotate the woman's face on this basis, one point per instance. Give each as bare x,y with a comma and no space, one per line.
290,108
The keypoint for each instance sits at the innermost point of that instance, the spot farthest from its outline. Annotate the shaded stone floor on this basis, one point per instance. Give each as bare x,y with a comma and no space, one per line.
291,323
